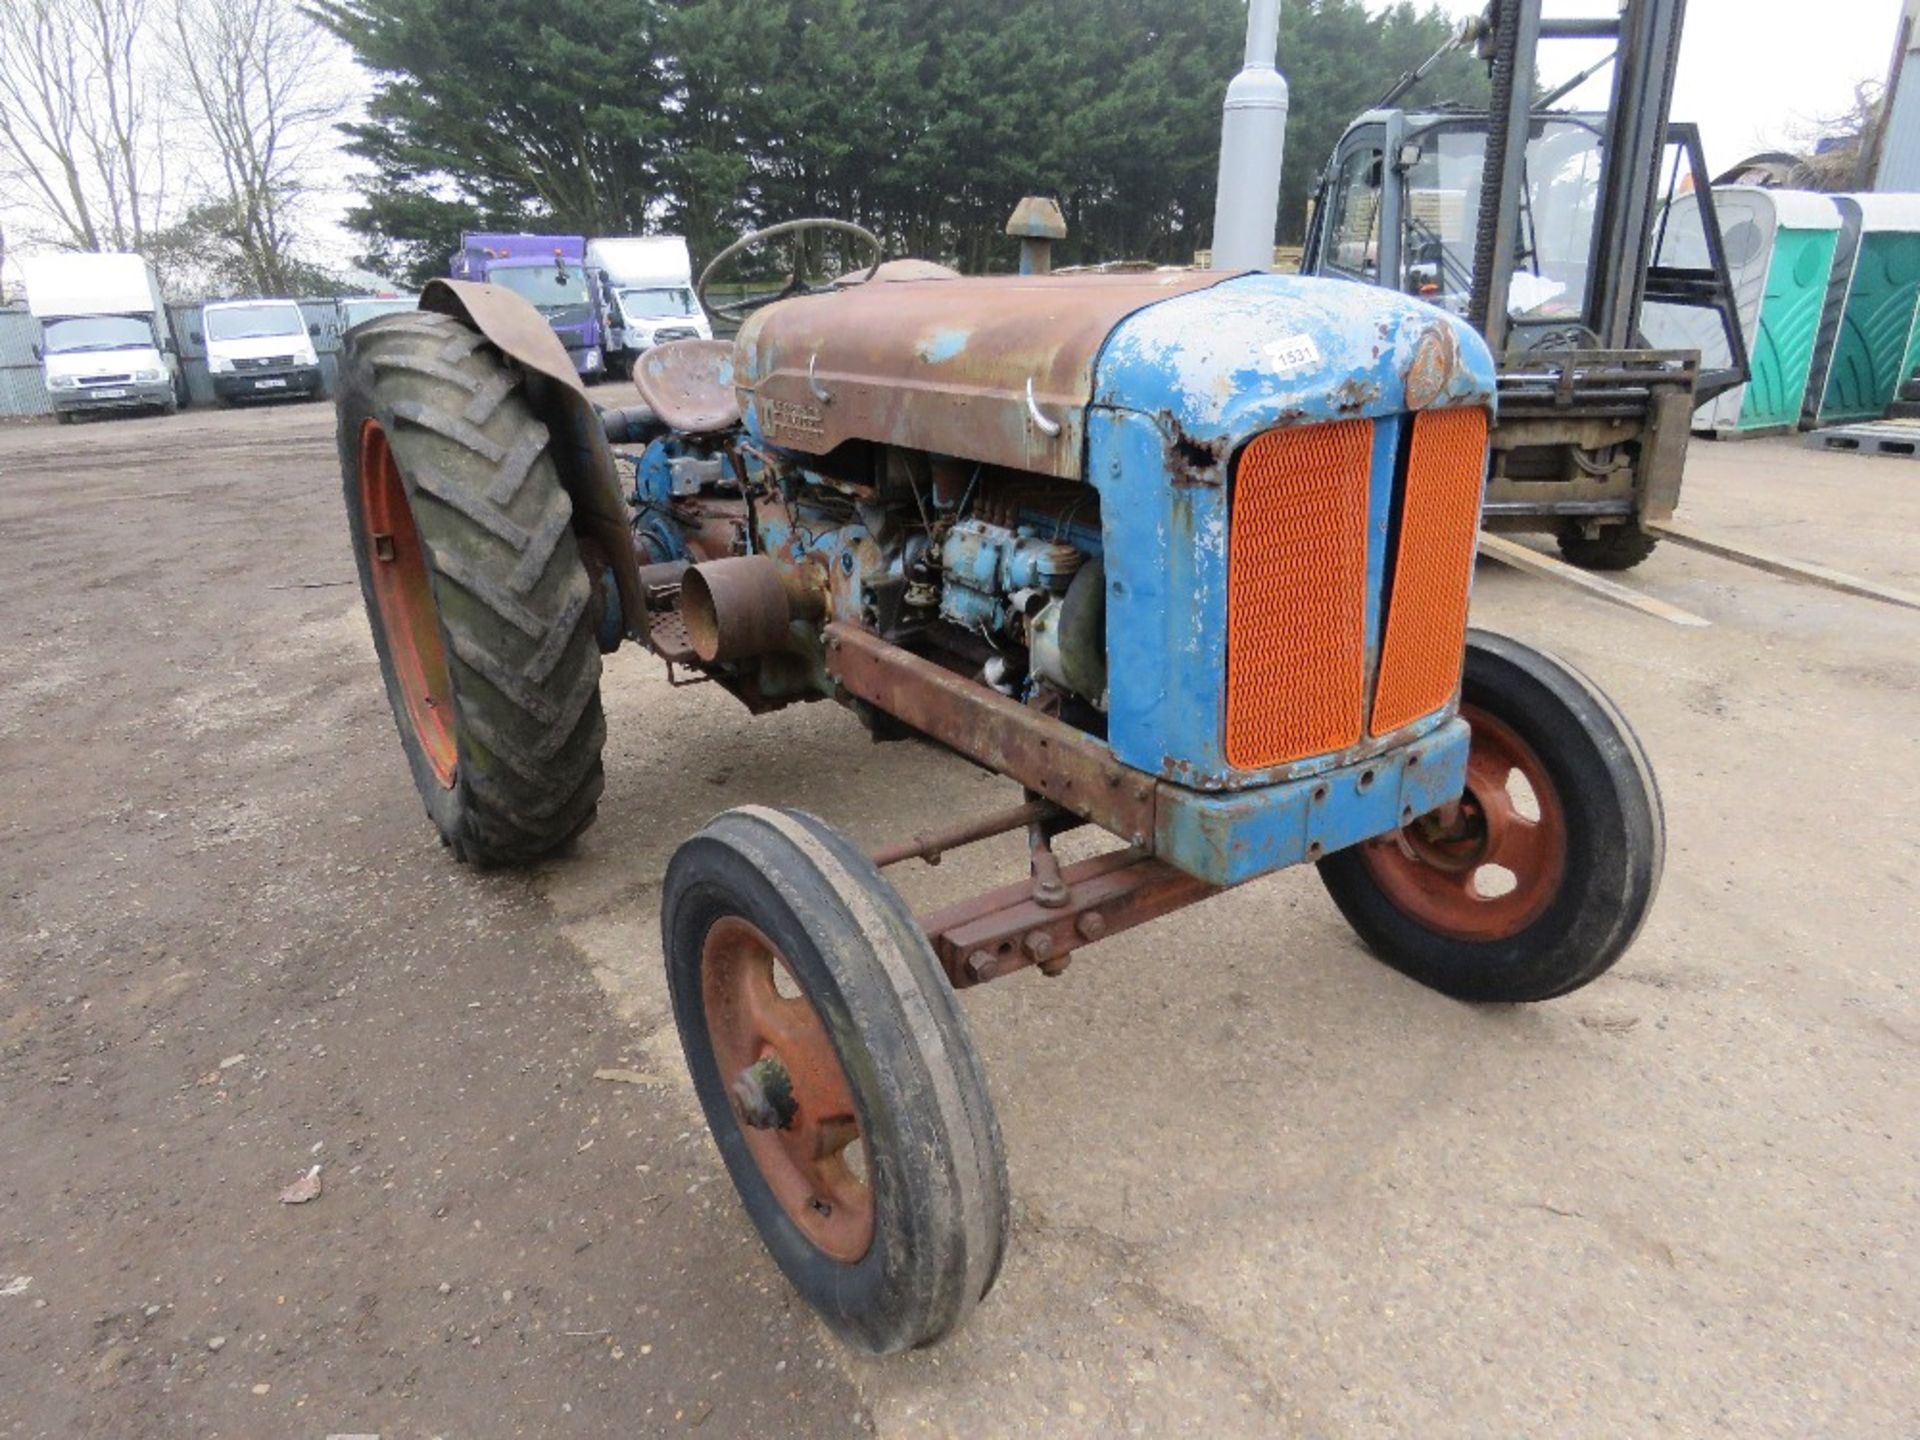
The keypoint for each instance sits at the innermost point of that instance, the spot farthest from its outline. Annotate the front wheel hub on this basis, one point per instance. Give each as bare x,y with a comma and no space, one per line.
1495,865
789,1092
763,1095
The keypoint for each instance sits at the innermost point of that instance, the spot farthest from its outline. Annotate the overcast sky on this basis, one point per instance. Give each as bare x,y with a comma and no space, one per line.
1754,74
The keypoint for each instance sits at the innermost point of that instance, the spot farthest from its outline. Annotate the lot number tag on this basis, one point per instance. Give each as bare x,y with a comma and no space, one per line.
1291,353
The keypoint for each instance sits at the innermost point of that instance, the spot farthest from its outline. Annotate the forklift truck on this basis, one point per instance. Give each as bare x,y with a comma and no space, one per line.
1567,239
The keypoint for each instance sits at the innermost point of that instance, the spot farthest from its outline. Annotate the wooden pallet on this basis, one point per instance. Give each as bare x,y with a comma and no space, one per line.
1899,438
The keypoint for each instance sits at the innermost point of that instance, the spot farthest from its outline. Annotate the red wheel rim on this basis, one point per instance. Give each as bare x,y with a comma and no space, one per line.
403,603
802,1149
1490,866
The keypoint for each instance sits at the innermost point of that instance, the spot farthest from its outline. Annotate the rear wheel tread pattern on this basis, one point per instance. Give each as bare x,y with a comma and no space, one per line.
459,346
511,593
570,766
449,491
517,464
431,367
554,714
541,544
575,767
494,596
486,399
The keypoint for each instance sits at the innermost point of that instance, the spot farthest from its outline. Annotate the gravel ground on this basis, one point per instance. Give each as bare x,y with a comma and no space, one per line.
1263,1185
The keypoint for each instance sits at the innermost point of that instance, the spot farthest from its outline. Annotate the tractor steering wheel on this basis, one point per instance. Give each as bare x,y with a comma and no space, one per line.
739,309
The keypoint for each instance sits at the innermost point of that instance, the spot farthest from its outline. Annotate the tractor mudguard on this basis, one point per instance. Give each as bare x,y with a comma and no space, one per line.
580,450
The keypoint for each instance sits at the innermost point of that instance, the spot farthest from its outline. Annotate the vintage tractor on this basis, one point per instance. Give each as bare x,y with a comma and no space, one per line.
1185,556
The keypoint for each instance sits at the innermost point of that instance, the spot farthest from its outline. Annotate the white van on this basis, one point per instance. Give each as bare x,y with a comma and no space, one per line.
104,339
259,349
644,288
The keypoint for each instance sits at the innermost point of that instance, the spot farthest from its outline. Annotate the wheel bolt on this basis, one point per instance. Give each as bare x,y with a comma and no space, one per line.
762,1095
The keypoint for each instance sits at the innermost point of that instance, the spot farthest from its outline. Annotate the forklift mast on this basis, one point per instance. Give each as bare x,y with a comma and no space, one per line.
1647,37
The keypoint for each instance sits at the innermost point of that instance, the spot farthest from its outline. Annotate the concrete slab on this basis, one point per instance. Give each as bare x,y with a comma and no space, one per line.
1262,1184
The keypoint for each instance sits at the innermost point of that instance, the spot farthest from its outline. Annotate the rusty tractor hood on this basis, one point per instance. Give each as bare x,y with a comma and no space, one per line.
1004,370
943,364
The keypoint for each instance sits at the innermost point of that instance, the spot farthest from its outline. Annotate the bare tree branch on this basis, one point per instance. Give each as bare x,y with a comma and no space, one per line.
80,140
261,108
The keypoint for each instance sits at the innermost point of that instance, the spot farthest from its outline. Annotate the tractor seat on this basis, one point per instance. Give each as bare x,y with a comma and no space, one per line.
689,385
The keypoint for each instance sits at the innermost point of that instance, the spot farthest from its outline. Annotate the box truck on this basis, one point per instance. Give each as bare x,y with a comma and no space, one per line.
644,288
105,343
550,272
358,309
259,350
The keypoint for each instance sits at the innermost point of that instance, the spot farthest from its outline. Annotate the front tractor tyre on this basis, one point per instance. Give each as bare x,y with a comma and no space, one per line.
1542,874
473,582
837,1075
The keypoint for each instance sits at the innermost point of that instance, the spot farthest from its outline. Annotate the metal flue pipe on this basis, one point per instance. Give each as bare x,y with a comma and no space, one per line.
1253,137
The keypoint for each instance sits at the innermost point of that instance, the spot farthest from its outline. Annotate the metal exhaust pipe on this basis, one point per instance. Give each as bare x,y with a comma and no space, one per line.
745,605
1253,139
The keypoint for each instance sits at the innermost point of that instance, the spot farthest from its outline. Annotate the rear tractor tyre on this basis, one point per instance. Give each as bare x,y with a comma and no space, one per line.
1543,877
837,1076
473,582
1616,547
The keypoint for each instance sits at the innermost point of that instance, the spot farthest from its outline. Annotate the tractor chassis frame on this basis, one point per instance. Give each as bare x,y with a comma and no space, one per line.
1070,779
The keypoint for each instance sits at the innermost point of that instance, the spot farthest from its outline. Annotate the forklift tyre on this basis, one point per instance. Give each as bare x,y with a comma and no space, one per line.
837,1075
1616,547
473,582
1545,875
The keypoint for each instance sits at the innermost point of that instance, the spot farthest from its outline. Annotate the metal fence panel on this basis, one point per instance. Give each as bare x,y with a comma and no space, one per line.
18,334
23,392
185,320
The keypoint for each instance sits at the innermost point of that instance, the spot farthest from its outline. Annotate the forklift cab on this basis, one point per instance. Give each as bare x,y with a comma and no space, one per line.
1400,203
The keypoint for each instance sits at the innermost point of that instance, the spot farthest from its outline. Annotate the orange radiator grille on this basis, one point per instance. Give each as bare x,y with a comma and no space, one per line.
1427,607
1297,593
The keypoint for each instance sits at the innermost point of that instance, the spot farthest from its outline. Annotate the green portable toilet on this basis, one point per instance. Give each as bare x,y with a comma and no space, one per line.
1866,346
1779,246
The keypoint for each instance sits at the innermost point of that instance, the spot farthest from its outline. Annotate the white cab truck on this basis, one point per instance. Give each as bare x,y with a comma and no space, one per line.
259,350
358,309
104,339
644,288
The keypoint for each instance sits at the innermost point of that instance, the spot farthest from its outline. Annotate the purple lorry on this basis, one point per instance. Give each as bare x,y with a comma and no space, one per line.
550,272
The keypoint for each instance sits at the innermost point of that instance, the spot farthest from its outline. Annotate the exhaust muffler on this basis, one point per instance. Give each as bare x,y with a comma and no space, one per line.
745,605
